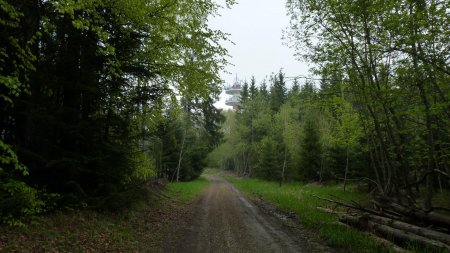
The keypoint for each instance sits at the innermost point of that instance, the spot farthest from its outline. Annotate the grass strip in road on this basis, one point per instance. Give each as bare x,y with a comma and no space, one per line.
138,229
297,198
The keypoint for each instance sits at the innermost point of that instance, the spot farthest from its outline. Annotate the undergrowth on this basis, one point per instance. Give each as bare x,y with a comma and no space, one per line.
136,229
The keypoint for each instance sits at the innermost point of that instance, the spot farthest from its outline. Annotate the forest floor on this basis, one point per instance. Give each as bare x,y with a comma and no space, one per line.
223,220
205,215
140,228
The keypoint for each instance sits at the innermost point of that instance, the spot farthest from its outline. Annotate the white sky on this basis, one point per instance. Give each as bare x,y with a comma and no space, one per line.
256,29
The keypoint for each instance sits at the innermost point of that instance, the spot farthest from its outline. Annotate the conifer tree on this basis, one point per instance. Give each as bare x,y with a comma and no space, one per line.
244,93
263,90
294,90
277,91
310,149
253,90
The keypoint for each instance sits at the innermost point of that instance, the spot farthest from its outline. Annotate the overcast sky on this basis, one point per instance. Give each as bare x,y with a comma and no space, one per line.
256,28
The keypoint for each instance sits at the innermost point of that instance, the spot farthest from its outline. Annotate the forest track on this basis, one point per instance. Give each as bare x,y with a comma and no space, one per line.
223,220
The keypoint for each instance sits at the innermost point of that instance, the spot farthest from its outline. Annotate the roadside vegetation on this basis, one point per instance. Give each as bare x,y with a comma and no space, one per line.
299,198
133,229
186,191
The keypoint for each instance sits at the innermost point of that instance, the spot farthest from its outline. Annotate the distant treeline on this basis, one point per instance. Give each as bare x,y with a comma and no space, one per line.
303,133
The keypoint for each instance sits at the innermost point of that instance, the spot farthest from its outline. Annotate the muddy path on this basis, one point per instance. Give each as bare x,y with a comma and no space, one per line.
223,220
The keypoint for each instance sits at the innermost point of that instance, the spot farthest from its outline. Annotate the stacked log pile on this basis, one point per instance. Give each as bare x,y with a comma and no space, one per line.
397,223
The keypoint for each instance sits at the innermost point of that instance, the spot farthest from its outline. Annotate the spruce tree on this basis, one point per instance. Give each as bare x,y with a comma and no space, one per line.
253,90
268,164
310,149
244,93
263,90
277,92
294,90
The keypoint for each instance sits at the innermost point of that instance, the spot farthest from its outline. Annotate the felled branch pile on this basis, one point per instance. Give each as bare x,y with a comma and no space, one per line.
396,222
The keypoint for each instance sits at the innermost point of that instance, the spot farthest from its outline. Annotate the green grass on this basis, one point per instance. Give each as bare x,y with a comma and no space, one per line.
298,198
186,191
139,229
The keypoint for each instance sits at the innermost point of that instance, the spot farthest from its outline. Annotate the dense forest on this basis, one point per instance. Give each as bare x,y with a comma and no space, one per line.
377,113
99,97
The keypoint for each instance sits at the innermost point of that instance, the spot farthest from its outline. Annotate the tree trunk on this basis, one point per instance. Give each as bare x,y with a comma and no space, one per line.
181,156
346,169
428,118
284,165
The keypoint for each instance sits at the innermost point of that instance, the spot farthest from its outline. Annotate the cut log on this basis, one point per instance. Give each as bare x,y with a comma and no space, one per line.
425,232
432,218
393,220
403,236
357,207
327,210
349,205
355,221
396,248
398,235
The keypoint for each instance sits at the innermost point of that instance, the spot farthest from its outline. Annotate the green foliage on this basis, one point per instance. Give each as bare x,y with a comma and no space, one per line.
385,72
310,149
184,143
18,202
9,160
223,155
349,131
253,90
245,93
268,165
88,93
15,55
277,91
291,135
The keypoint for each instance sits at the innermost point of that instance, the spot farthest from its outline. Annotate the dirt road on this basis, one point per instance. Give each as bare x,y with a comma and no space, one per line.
225,221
